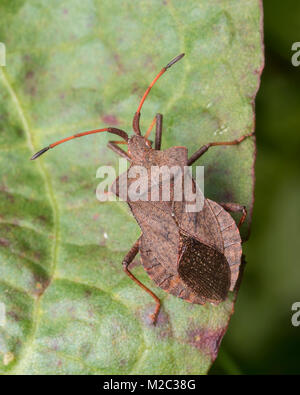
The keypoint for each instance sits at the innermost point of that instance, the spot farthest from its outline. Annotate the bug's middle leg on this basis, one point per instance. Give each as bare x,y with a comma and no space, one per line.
196,155
126,262
234,208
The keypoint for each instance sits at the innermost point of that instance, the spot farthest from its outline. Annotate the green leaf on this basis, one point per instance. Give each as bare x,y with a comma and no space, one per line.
76,66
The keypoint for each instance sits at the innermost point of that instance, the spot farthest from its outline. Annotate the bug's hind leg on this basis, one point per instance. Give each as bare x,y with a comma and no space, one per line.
196,155
126,262
114,147
234,208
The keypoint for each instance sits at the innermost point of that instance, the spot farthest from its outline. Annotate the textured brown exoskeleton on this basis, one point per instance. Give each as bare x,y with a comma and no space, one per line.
195,256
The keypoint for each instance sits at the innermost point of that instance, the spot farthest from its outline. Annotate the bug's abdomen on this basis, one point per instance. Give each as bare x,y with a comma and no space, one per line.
171,281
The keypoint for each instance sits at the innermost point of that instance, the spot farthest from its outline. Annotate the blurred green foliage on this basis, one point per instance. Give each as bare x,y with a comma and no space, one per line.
261,338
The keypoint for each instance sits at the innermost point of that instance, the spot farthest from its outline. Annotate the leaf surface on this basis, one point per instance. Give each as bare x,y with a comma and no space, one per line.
74,66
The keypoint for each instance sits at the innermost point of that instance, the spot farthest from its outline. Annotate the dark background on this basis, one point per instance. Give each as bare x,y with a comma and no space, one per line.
261,338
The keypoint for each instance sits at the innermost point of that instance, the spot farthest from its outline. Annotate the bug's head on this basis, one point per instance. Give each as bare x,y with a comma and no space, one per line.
138,146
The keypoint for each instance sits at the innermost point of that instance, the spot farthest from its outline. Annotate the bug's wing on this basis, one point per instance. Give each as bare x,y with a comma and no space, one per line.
203,269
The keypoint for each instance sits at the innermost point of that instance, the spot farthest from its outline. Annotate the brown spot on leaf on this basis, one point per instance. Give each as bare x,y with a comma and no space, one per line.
29,75
19,131
37,255
4,242
162,326
27,58
148,63
207,340
13,315
102,243
110,119
135,88
119,63
7,194
40,284
90,312
64,178
30,83
209,170
228,196
42,218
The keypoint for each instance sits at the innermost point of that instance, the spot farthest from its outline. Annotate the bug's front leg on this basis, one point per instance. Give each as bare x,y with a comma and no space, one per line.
114,147
126,262
158,133
234,208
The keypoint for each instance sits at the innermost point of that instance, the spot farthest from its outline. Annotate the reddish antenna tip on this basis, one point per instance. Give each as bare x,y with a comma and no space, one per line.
39,153
174,60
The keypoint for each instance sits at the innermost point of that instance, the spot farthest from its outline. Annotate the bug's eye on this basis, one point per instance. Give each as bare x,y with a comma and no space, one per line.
149,143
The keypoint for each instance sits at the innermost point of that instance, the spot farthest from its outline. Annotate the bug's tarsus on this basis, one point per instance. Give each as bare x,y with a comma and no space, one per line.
234,208
39,153
243,217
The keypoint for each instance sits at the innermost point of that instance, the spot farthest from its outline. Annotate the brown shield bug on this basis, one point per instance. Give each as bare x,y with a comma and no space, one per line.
195,256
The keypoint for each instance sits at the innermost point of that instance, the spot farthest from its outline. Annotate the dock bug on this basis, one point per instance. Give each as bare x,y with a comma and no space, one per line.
195,256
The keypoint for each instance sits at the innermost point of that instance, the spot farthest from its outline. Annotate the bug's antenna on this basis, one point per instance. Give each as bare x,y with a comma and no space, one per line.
119,132
136,118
